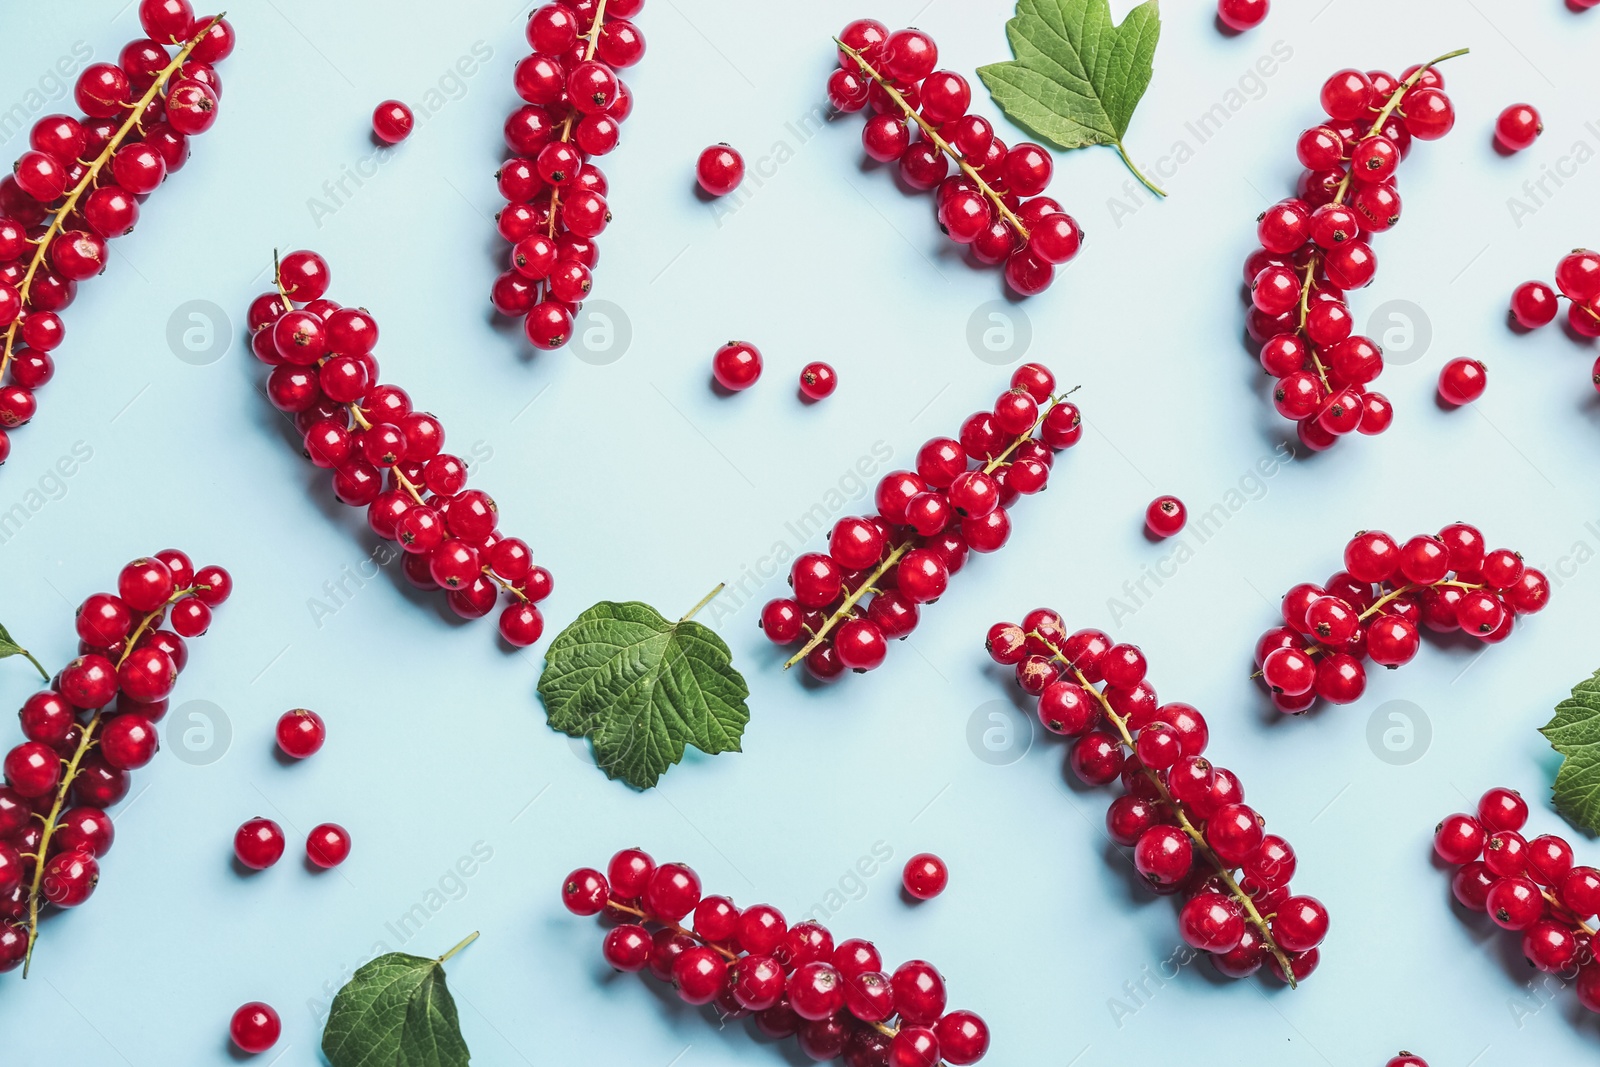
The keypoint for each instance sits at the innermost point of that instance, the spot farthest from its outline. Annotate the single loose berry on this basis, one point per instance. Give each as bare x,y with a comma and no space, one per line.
258,843
1518,127
1462,380
1241,15
255,1027
328,845
736,365
1165,516
818,381
720,169
392,121
925,876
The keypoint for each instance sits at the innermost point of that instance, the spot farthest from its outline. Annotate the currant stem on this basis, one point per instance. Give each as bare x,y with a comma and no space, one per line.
1398,591
999,461
708,598
71,202
1146,182
939,142
674,927
516,594
1344,185
842,612
356,414
1251,914
469,939
566,130
70,775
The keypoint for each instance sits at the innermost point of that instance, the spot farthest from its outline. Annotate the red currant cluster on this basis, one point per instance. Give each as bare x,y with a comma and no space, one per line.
1374,608
1314,249
927,520
835,998
1535,304
1528,886
1185,819
82,180
556,198
992,203
385,456
94,724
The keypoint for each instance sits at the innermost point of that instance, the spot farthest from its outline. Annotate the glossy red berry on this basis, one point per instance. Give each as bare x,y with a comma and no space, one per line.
301,733
1518,127
719,170
817,381
925,876
258,843
1461,381
328,845
1241,15
255,1028
736,365
1165,516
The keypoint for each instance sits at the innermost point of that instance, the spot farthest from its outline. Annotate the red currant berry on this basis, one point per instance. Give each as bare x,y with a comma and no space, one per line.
1241,15
1462,381
1518,127
301,733
255,1028
1165,516
328,845
925,876
258,844
720,169
736,365
818,381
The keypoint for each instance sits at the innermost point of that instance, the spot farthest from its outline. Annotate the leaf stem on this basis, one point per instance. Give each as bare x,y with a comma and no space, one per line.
1254,917
708,598
36,664
1146,182
69,205
469,939
939,142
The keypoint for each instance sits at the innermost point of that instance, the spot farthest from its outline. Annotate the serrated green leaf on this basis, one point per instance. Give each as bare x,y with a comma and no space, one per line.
642,689
395,1012
1575,733
1077,76
9,648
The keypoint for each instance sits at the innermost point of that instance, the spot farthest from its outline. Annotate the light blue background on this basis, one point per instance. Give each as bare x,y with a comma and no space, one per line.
633,481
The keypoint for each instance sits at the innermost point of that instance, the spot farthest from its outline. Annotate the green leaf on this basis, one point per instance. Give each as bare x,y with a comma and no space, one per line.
642,689
396,1012
1575,733
9,648
1077,77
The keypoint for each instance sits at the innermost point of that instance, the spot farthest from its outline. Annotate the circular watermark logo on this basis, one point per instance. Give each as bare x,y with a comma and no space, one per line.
999,332
999,734
601,333
199,733
1399,732
199,333
1402,329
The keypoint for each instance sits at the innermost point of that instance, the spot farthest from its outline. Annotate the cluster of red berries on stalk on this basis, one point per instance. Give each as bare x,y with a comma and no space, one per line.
1375,609
82,180
1528,886
1315,248
957,499
837,999
555,197
1535,304
385,456
1185,818
992,202
94,724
